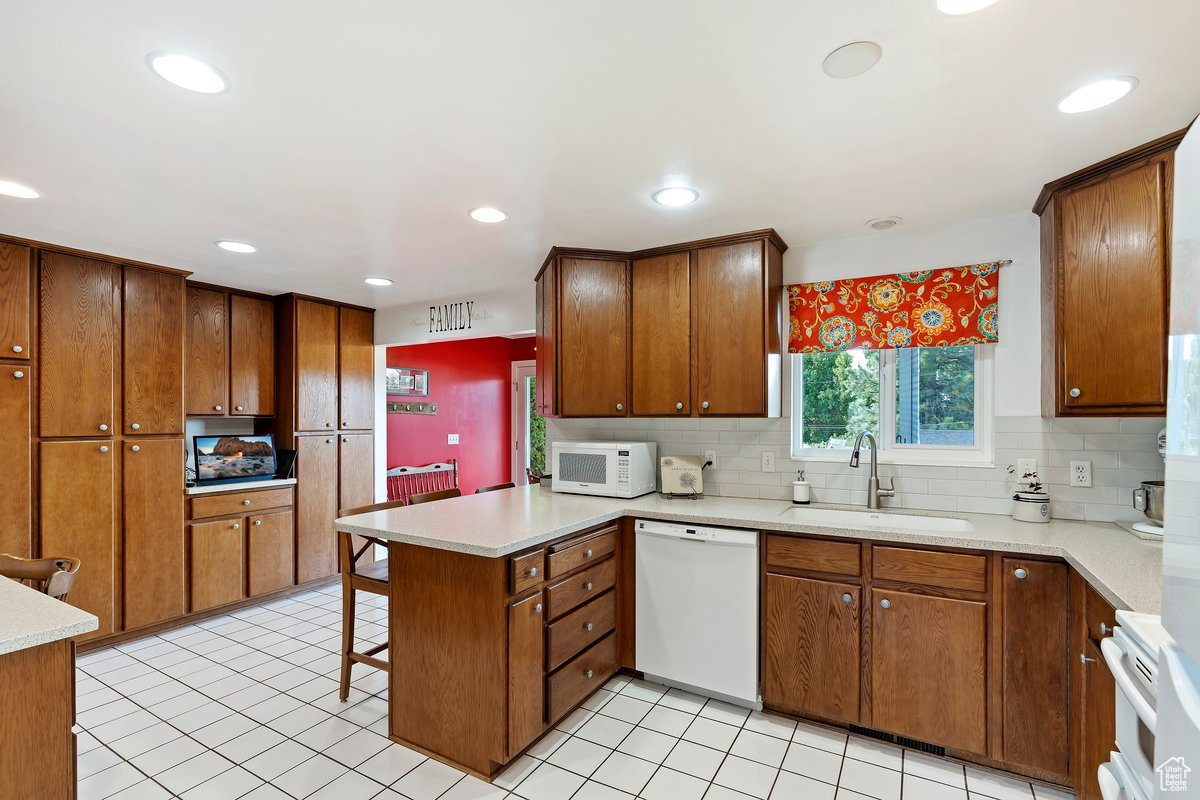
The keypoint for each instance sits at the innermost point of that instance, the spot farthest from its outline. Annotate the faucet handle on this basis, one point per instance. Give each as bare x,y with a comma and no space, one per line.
890,491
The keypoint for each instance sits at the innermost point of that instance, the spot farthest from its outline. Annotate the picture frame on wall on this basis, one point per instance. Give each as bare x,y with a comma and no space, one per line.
406,382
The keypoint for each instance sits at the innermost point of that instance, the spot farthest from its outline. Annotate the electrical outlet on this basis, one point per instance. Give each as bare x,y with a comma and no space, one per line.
451,438
768,461
1081,474
711,456
1026,465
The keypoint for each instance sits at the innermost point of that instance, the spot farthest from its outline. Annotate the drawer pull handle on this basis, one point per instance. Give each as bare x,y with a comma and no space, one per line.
533,572
885,603
258,522
217,408
103,448
329,441
245,502
18,349
589,674
588,625
846,598
136,448
537,609
18,374
587,587
136,426
103,427
704,404
236,526
1074,392
1020,573
620,407
587,553
239,408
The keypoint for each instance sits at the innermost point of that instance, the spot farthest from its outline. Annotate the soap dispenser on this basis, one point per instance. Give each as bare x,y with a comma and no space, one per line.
801,490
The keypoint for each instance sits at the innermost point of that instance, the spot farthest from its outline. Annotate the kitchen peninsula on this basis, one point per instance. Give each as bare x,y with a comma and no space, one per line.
509,608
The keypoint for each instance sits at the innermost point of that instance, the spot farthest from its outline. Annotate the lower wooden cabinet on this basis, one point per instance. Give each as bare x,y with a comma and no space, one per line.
929,668
526,653
316,507
152,490
811,643
38,687
270,552
1093,688
217,557
16,498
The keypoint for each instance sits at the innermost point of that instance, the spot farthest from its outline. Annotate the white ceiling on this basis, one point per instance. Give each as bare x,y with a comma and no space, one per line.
357,135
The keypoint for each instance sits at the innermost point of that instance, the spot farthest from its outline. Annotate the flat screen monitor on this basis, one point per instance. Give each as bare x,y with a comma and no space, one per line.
230,459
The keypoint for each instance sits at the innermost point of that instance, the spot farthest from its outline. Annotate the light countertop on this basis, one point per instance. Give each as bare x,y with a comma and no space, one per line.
243,486
1124,569
29,618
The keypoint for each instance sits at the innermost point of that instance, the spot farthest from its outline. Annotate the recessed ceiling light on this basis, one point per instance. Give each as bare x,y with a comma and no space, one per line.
488,214
956,8
884,223
378,281
187,72
675,196
20,190
1097,95
237,247
852,60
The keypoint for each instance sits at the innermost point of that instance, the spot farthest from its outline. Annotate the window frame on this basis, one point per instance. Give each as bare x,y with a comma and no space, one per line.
980,454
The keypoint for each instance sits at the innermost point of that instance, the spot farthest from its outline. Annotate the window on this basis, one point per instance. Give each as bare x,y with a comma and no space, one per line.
923,404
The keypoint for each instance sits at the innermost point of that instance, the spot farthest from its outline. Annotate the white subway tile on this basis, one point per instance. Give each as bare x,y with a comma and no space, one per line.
956,488
1098,512
1150,461
941,473
831,495
984,505
739,490
1020,424
718,424
757,424
931,502
1060,509
776,492
1051,441
1121,441
738,437
761,478
1151,425
1086,425
1099,458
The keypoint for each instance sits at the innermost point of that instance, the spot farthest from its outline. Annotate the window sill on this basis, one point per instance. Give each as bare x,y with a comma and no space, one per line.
901,459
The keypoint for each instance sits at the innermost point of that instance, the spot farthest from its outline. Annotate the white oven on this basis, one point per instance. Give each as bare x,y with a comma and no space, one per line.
606,469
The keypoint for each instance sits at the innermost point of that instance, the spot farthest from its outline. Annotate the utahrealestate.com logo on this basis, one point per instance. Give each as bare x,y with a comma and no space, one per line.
1172,775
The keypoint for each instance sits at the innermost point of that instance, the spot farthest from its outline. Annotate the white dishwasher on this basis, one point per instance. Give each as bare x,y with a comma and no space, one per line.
697,609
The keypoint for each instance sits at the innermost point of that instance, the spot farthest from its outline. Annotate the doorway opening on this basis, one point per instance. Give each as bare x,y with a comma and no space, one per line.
528,428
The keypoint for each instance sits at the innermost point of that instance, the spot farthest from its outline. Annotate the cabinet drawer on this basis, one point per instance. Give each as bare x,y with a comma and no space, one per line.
580,628
577,552
580,677
819,555
527,571
240,502
930,568
580,587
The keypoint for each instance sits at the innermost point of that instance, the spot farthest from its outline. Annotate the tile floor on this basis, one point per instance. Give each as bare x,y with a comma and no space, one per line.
245,706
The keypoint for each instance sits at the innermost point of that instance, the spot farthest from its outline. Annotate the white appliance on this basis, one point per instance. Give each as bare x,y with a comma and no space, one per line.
697,609
1177,745
606,469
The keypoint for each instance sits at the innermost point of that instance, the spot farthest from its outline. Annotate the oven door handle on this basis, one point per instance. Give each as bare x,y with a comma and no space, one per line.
1115,656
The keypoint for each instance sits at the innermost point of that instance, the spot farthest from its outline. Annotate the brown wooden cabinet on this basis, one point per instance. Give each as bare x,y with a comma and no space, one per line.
316,337
546,369
38,684
356,368
356,482
217,559
251,356
316,507
207,367
152,367
593,329
526,653
16,323
1034,665
661,335
811,643
1092,687
270,552
77,345
16,498
1106,255
78,520
153,546
929,668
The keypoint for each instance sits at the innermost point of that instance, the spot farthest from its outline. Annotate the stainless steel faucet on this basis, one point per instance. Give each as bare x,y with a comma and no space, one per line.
873,490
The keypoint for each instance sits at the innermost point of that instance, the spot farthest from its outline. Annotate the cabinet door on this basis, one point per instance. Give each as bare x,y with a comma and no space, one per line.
251,356
316,366
78,339
1115,283
152,481
15,313
544,343
593,337
356,367
1034,665
77,521
207,369
356,477
730,348
812,640
316,507
217,563
928,668
661,334
15,489
272,552
526,691
153,354
1098,735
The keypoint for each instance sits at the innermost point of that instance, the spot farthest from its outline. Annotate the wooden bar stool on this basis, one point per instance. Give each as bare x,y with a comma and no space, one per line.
372,578
52,576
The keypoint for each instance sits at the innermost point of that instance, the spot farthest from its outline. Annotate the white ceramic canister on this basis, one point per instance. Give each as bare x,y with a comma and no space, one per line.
1031,507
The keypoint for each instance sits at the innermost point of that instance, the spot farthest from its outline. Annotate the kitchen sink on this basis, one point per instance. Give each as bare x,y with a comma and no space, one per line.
839,518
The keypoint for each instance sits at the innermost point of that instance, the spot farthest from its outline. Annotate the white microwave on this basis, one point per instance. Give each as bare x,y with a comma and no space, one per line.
606,469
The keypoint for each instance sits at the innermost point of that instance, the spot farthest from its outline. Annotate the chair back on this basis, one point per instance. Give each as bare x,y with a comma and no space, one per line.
403,482
52,576
429,497
531,477
496,488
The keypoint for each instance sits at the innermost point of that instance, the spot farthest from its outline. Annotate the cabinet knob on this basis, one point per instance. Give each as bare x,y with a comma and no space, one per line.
704,404
847,598
1020,573
587,587
345,423
236,526
103,427
239,408
1083,659
537,609
346,440
533,572
587,553
1105,630
589,674
137,426
216,408
620,407
885,603
587,626
258,522
103,448
18,374
245,502
1074,392
136,448
328,424
18,349
329,441
679,406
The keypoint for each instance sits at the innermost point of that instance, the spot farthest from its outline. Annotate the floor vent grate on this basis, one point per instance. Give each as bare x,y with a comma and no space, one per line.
903,741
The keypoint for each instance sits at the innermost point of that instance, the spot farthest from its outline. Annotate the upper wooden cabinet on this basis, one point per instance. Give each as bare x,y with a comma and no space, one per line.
152,367
78,323
251,356
16,321
316,342
356,368
688,329
1106,255
207,363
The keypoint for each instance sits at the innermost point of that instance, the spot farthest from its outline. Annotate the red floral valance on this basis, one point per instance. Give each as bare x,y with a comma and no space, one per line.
930,308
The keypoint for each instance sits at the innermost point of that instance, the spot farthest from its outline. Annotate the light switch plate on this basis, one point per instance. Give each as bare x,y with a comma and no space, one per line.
711,456
451,438
768,461
1081,474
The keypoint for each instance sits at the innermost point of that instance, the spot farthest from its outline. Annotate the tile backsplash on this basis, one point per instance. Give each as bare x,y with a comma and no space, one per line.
1123,452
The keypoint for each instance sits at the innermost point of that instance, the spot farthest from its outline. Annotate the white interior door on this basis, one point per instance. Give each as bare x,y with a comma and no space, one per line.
525,421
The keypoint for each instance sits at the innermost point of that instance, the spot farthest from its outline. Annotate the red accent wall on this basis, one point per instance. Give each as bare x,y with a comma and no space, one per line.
470,381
